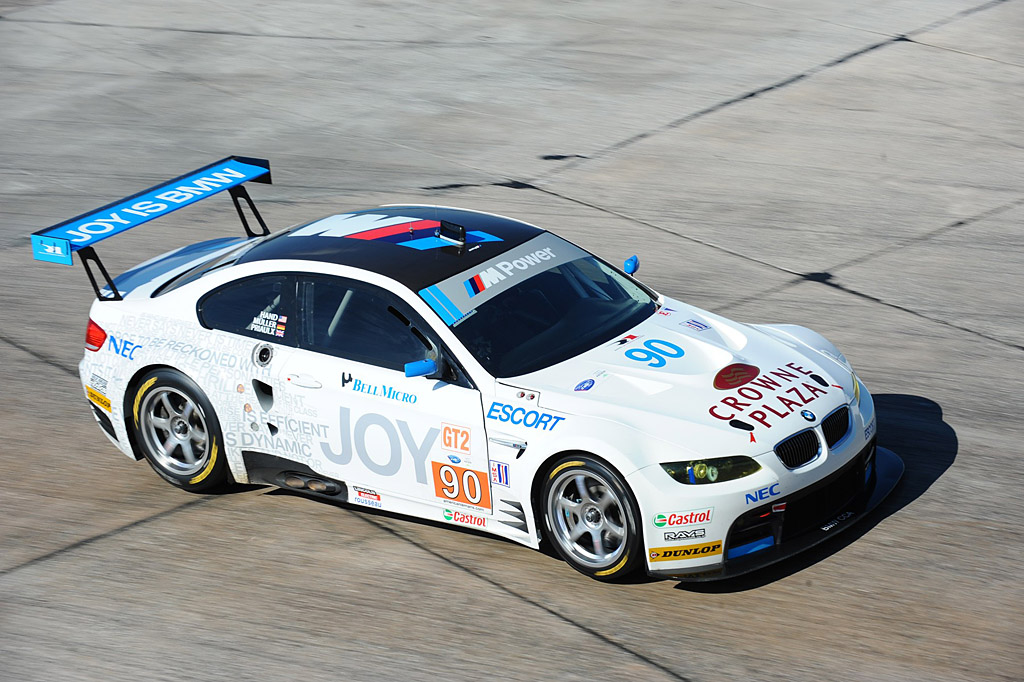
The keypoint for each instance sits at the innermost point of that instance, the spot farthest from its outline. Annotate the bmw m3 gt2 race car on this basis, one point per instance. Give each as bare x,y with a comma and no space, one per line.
475,370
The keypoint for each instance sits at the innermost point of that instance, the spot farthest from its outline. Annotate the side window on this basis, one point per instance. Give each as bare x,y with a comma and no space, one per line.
359,322
260,307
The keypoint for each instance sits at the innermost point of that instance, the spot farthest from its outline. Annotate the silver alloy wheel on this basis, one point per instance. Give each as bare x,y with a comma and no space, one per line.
175,431
588,519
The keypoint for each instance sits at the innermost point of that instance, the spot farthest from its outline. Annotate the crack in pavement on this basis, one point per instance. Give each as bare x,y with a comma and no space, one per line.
752,94
493,583
52,362
927,236
964,52
247,34
110,533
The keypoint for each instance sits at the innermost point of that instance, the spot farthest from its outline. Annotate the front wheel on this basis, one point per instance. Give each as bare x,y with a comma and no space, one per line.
178,432
592,518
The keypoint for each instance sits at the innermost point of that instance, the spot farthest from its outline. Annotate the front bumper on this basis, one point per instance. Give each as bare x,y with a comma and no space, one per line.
763,536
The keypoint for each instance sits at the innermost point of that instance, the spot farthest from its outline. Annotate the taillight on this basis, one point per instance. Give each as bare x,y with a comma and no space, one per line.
94,336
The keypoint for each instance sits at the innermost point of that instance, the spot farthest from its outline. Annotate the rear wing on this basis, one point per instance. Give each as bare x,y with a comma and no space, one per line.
55,244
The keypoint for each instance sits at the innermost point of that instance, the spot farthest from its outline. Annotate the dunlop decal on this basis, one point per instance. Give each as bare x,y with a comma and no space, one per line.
686,551
98,398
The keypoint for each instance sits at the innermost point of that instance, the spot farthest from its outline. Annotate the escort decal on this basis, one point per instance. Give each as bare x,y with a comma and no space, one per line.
531,419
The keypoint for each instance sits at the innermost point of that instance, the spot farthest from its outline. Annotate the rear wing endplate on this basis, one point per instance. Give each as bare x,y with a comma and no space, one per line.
55,244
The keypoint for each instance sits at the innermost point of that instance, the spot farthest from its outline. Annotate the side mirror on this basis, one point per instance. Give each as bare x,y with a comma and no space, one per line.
631,265
420,368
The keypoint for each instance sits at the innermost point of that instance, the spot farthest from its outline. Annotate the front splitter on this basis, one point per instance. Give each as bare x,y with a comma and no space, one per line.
887,470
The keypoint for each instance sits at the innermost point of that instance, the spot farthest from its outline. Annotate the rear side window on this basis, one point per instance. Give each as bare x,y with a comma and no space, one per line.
261,307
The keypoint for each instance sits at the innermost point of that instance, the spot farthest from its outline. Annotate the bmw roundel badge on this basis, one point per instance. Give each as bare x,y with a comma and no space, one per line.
808,415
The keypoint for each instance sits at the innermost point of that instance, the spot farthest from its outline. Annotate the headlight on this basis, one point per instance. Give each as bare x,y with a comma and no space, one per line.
717,470
856,387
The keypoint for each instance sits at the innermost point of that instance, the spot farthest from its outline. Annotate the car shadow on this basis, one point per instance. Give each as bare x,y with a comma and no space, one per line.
913,428
382,513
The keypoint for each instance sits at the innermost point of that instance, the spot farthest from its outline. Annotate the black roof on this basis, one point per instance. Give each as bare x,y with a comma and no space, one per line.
356,239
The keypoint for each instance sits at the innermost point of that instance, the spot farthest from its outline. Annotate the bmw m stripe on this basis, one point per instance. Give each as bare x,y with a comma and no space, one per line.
441,304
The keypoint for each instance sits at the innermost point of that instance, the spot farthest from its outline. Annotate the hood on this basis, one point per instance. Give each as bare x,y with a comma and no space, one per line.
699,381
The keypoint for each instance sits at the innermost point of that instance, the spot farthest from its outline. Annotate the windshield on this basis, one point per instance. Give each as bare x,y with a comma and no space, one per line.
552,316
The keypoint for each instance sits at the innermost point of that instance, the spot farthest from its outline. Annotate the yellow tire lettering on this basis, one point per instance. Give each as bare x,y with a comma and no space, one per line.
138,398
208,468
616,567
560,467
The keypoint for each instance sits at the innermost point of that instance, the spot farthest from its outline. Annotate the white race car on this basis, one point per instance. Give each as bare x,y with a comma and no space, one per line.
472,369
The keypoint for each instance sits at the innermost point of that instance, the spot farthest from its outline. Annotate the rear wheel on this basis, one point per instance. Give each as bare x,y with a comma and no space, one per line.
178,432
591,518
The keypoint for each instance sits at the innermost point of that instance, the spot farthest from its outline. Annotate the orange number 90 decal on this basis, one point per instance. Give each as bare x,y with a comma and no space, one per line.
461,485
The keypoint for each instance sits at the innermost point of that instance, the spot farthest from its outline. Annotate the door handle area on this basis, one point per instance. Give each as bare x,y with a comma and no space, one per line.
303,380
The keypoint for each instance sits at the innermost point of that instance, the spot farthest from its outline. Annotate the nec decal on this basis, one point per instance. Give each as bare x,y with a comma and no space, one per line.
124,348
763,494
506,268
531,419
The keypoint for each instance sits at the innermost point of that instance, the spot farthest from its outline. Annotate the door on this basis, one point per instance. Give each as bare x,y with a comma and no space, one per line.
252,327
392,439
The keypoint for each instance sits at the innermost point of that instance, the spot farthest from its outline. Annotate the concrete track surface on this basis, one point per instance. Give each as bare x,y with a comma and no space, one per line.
857,167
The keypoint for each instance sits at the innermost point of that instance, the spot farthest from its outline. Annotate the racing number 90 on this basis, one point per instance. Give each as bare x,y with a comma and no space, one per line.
654,352
470,484
461,485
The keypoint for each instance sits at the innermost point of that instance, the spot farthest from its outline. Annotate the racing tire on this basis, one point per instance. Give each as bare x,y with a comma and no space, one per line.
177,431
591,518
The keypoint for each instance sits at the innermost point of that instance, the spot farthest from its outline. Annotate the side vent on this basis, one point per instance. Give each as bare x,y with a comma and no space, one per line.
516,513
264,393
